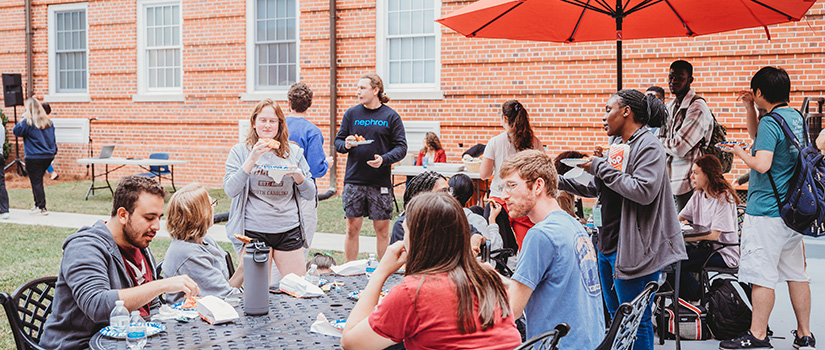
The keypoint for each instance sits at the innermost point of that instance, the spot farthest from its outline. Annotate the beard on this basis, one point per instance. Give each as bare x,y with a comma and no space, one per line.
523,207
135,237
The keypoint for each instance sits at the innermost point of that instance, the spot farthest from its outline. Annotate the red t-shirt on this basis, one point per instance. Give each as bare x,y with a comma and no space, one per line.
137,265
431,323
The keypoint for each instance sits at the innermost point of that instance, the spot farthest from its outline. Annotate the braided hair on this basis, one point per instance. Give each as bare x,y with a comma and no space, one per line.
423,182
644,107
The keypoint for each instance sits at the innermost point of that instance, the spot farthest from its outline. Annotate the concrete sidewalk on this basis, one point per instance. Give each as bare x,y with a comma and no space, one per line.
325,241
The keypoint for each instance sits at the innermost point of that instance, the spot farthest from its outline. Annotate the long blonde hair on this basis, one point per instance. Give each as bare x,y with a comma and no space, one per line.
35,114
189,214
283,132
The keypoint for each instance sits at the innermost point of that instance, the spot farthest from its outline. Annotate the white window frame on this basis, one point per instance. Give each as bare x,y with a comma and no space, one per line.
279,94
53,95
144,92
406,91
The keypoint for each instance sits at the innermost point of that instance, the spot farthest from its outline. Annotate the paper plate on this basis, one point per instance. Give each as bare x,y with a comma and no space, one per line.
277,172
339,324
152,328
179,306
357,294
574,173
365,142
730,144
574,162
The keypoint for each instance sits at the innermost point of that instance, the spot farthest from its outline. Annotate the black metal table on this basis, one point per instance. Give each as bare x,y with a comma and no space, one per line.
287,326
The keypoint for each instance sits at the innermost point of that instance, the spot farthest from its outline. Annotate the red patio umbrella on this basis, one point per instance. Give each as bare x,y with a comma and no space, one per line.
598,20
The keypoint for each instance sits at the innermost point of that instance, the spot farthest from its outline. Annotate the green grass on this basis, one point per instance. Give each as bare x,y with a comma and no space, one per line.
30,252
68,197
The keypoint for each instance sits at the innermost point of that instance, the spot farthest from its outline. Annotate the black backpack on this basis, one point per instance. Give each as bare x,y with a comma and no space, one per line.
719,135
729,307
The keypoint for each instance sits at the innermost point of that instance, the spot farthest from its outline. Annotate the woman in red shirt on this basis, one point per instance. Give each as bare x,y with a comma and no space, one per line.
447,300
432,151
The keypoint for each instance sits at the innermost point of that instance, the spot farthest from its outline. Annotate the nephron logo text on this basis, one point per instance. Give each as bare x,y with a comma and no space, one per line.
371,122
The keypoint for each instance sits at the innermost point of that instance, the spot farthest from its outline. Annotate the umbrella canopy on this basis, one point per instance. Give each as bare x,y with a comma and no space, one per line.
598,20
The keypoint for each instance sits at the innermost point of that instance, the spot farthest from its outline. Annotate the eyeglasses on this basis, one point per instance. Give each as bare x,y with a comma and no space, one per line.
215,202
510,185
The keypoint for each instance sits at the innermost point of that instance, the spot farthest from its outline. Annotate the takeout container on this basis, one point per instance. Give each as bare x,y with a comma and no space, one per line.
216,311
298,287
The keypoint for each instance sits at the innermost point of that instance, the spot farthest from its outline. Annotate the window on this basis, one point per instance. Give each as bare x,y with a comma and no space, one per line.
68,52
408,48
272,47
159,51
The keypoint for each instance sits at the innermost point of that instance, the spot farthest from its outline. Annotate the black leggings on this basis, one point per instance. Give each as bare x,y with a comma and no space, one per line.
4,196
36,168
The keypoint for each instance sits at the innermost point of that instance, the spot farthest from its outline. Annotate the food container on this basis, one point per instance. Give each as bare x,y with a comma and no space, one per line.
472,166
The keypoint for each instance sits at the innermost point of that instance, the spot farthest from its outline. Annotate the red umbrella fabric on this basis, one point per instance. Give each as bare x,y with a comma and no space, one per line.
598,20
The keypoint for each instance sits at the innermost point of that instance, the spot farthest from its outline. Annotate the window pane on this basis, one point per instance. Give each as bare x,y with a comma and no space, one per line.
283,53
395,72
290,8
270,8
417,22
281,10
406,72
283,75
393,5
261,76
261,32
176,15
170,58
270,30
167,32
75,40
406,47
395,49
263,51
418,48
150,16
281,29
293,74
392,22
261,9
177,81
153,77
176,35
273,76
293,54
158,16
158,37
418,72
153,58
405,5
429,47
404,24
82,40
429,21
429,72
273,53
290,29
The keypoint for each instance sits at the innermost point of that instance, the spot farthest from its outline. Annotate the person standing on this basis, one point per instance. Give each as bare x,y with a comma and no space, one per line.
40,146
265,208
368,180
771,252
689,125
639,234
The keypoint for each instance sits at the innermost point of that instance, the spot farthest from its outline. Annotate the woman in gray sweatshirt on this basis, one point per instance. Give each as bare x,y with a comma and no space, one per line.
264,176
192,252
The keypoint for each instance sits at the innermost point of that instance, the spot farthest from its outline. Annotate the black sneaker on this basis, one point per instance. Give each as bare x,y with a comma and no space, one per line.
746,341
804,343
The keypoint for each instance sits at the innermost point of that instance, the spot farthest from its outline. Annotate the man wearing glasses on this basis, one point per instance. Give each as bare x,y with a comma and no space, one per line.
556,278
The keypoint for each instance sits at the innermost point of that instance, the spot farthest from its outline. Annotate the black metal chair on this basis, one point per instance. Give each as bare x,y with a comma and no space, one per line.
622,332
27,310
676,270
548,340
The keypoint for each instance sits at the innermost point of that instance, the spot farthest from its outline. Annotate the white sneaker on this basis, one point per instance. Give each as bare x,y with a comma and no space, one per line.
34,210
39,211
5,216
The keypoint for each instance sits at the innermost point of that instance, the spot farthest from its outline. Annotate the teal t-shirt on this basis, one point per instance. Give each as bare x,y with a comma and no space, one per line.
769,137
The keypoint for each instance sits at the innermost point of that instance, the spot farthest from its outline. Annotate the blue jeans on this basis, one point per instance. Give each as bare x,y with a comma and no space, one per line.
617,291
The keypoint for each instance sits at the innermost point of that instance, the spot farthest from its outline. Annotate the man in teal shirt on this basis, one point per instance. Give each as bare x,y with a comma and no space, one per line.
771,251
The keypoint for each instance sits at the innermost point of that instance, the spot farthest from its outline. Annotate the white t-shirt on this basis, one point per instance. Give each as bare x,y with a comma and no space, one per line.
719,215
498,149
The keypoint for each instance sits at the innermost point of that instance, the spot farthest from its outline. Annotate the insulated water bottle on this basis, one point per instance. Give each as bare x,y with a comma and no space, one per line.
256,279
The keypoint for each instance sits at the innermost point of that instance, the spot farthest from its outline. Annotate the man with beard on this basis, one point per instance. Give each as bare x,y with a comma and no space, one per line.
556,278
111,261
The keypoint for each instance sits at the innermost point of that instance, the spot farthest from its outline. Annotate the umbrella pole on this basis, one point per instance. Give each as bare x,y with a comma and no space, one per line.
619,64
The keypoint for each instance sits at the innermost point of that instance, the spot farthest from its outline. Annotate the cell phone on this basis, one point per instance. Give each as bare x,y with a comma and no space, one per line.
484,255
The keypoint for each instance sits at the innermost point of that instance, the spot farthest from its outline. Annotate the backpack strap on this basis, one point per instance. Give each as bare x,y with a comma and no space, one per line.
789,134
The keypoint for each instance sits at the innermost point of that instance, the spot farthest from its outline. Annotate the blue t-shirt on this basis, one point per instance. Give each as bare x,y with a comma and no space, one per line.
310,138
769,137
558,262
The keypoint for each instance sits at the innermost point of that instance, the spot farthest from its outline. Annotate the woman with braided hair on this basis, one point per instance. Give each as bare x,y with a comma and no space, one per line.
428,181
639,233
517,136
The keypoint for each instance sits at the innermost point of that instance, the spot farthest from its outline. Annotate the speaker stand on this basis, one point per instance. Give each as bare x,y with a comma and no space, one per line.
21,167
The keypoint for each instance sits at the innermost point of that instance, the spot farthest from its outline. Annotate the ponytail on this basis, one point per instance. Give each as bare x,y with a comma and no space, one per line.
376,82
520,134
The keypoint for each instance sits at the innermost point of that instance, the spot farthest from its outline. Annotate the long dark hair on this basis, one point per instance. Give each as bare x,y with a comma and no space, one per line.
432,142
439,242
520,134
717,184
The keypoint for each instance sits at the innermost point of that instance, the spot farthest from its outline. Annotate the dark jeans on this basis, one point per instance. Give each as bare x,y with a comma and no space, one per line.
36,168
4,196
689,288
618,291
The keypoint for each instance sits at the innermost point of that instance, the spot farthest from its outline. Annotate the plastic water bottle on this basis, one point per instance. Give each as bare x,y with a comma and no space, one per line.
591,226
136,332
371,265
119,318
424,162
312,276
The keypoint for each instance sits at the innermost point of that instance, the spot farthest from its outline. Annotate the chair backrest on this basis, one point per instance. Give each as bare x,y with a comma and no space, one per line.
159,168
229,265
548,340
623,329
27,310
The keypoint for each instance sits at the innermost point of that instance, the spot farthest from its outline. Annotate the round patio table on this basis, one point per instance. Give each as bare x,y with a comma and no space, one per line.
287,326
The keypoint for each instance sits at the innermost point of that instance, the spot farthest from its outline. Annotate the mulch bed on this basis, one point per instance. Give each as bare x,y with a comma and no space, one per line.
14,181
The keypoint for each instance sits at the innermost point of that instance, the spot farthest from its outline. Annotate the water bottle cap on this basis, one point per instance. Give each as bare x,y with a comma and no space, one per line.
313,266
119,303
136,313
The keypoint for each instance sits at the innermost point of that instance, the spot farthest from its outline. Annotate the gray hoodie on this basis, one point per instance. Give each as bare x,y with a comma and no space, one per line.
649,234
91,273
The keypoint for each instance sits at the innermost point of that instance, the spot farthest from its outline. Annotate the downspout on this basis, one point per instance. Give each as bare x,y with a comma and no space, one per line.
333,99
29,51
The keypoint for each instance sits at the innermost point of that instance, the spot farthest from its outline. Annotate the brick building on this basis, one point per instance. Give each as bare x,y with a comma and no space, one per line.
177,76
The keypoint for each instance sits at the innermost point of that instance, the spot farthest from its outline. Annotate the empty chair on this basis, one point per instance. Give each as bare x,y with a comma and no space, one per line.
158,170
27,310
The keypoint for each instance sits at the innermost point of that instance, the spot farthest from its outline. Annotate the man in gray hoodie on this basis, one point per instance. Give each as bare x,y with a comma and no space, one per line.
110,261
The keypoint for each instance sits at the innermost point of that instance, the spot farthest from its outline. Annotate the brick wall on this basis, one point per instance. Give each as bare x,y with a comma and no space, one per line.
563,86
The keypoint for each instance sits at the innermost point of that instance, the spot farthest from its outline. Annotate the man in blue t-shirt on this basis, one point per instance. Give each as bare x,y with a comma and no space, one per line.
771,251
556,278
368,179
